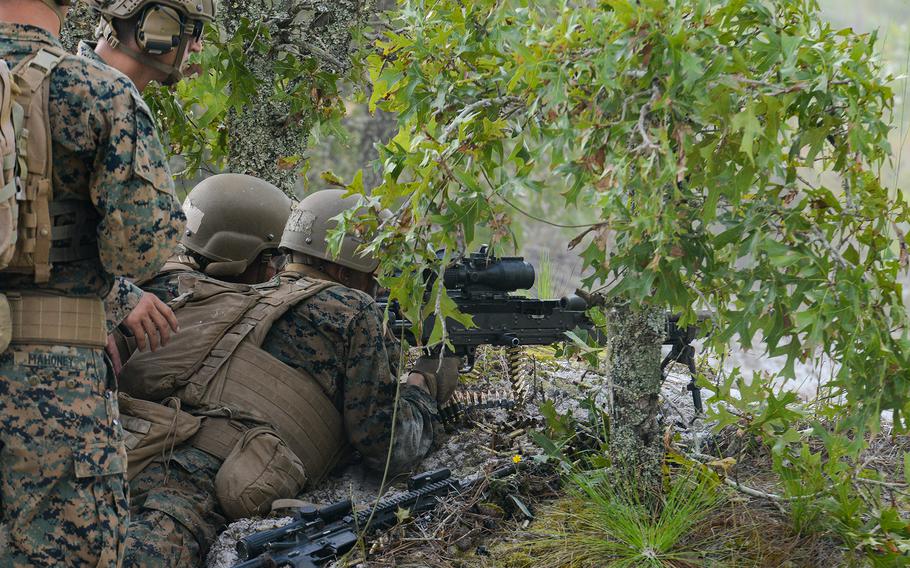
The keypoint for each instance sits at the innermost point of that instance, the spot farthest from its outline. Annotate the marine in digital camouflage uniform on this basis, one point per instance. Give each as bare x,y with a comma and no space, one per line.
335,336
62,459
234,225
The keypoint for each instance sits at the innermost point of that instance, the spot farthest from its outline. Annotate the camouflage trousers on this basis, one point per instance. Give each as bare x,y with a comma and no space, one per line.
174,514
62,459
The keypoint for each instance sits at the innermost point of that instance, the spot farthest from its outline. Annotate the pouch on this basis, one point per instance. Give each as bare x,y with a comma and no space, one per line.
260,469
153,429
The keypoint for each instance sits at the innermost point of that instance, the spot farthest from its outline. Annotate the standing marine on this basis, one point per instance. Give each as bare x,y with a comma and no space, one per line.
98,202
148,41
290,377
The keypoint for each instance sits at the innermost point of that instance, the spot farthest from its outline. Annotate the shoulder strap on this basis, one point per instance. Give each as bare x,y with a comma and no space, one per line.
34,148
281,299
256,322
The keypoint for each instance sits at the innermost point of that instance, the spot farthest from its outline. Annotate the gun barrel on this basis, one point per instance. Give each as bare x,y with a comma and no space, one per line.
573,302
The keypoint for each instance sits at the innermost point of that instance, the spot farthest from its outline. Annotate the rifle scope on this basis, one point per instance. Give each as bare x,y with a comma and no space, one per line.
480,272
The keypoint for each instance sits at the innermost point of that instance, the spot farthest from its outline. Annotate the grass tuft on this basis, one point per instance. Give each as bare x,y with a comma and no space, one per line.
605,523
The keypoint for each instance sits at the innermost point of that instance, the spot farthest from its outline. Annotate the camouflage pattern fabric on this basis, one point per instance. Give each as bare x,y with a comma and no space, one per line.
173,511
337,336
106,150
120,301
62,459
124,295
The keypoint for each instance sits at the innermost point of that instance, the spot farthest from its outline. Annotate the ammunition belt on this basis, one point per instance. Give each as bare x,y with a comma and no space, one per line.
57,320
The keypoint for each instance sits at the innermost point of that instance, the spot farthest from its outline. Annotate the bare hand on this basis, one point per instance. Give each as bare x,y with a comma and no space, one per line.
153,318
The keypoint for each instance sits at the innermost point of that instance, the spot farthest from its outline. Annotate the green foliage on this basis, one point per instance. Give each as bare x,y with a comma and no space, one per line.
194,114
731,151
575,443
604,523
544,283
696,129
833,487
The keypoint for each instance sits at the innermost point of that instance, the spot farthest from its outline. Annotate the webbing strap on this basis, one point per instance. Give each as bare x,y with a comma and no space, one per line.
31,79
57,320
21,147
218,436
8,190
73,232
264,311
32,71
283,298
73,253
42,254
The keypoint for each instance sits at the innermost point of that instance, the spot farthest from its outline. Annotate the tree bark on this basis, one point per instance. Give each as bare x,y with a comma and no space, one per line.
80,24
265,132
636,446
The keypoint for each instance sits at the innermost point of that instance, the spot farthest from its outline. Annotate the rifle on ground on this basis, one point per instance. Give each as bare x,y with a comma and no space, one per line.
318,536
484,286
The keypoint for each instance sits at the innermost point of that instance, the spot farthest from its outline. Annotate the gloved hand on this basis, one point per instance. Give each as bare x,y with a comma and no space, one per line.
441,376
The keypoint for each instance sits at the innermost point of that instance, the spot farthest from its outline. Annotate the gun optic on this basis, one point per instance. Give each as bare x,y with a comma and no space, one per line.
490,274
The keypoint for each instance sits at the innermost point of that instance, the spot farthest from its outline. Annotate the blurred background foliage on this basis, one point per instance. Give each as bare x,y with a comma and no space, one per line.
346,145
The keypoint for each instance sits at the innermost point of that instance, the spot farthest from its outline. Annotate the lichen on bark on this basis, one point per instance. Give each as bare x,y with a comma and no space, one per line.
80,24
633,365
265,132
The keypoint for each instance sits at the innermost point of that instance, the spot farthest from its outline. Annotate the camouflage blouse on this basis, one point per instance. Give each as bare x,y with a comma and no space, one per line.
107,153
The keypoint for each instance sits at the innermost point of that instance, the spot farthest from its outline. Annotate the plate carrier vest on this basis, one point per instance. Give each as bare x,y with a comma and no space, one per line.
217,368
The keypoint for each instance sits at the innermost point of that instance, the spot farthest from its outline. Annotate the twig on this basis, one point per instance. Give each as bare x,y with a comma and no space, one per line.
466,111
889,484
700,458
646,143
314,51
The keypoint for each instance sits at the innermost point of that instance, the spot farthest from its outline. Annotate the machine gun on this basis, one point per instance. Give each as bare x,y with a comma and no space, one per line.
318,536
483,286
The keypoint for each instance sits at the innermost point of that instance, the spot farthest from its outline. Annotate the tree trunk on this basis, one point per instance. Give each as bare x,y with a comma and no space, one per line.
636,445
265,132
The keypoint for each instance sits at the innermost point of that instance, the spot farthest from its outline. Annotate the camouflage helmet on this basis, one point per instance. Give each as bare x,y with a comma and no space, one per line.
231,218
204,10
310,222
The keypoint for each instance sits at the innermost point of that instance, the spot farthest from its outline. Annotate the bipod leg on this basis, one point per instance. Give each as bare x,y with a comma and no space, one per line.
689,358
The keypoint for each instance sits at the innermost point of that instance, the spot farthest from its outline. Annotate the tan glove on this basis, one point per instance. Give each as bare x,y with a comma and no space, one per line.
441,376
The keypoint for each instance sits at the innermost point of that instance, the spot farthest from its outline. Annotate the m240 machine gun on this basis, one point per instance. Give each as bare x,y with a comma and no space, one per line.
484,286
318,536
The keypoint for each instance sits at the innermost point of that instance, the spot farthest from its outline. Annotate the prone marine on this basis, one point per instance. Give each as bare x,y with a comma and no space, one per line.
277,383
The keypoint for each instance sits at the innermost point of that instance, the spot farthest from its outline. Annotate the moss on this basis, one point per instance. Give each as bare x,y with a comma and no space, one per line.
265,132
636,446
80,24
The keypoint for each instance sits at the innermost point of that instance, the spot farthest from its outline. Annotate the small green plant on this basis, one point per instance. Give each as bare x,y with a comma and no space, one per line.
605,523
545,278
